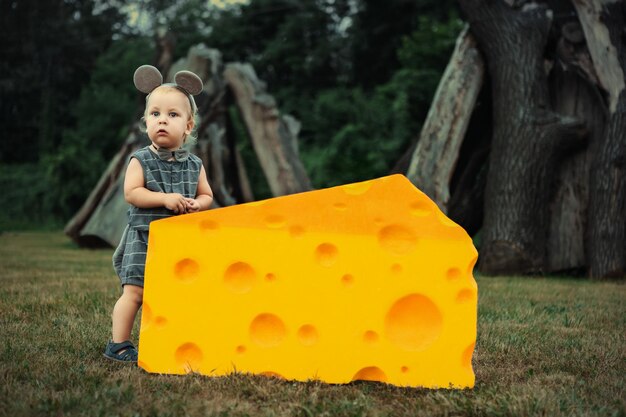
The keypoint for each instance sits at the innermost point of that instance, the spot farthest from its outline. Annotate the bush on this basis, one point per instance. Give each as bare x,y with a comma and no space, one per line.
105,109
23,198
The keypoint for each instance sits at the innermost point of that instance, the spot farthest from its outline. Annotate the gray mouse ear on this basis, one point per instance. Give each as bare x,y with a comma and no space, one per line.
189,81
147,78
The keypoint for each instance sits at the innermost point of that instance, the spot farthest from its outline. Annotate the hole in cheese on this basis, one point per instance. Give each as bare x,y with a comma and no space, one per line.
347,280
370,337
272,374
160,321
397,239
146,314
326,254
275,221
453,273
143,366
420,208
239,277
307,335
186,270
413,322
296,231
188,356
208,225
267,330
357,188
370,373
464,295
466,357
470,266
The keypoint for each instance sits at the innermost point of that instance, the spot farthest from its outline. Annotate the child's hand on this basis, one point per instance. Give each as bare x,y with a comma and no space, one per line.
192,205
175,202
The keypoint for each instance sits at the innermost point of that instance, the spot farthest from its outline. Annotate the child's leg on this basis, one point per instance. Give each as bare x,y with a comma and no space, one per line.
125,311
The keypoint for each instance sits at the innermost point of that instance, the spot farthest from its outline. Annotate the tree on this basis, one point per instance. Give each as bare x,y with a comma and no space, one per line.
603,24
539,134
107,105
378,30
38,85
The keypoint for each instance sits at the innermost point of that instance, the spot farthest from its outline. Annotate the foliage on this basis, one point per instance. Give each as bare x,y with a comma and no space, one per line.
378,31
105,109
358,75
188,22
351,129
48,53
294,45
353,134
545,347
364,136
23,197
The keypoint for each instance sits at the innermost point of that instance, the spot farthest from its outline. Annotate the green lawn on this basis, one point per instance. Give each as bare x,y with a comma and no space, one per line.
546,346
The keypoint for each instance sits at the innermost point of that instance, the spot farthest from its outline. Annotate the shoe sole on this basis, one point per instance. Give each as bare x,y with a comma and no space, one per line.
118,360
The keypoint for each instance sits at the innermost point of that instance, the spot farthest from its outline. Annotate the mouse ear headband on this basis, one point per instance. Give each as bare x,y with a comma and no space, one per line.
147,78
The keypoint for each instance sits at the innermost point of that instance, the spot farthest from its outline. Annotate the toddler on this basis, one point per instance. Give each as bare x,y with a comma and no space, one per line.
161,180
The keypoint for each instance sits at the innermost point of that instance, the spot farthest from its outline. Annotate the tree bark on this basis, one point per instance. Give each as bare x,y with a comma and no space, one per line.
576,92
528,139
577,97
435,156
273,137
603,23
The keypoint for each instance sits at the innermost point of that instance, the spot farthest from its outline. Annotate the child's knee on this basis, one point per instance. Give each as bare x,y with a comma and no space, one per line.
134,293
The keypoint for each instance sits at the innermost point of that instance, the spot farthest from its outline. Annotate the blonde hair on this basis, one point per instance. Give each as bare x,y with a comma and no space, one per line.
189,139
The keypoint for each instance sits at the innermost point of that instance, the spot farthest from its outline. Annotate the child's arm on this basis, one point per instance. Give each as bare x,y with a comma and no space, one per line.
204,195
138,195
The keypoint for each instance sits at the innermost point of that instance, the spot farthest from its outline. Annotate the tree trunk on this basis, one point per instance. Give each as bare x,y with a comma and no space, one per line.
575,89
603,23
435,156
577,97
528,138
272,136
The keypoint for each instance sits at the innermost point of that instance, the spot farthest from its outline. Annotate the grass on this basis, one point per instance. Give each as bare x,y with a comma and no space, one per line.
546,346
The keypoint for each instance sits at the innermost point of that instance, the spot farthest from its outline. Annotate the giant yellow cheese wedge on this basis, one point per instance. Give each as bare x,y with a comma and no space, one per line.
367,281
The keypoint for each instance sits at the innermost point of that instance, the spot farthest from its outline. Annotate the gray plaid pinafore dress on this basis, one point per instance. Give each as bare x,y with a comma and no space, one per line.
174,176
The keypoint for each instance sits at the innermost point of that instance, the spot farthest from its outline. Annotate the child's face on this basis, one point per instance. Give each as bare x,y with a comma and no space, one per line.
168,118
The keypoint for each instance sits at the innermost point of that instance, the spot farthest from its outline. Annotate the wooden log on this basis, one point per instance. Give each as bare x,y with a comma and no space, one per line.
271,134
102,218
434,158
225,171
218,151
92,226
165,45
605,49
